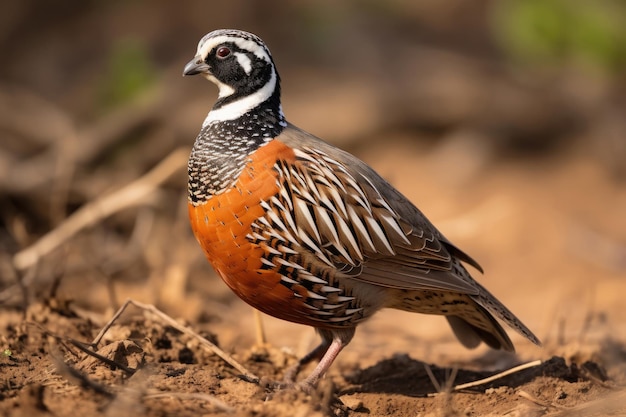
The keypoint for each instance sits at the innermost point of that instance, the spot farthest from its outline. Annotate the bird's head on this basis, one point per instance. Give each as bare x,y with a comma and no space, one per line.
240,65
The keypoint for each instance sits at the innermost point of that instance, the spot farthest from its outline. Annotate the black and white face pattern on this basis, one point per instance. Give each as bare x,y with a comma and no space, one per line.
241,66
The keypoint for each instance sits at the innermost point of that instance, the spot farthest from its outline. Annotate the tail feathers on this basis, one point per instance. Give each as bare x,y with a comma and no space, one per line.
471,317
486,329
490,304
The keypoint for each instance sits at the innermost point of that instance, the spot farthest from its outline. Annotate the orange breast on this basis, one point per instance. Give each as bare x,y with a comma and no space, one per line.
222,223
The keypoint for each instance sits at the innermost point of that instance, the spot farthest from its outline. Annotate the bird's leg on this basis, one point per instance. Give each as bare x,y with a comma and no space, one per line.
315,354
333,341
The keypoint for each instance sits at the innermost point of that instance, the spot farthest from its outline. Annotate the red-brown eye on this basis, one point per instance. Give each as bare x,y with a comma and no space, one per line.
222,52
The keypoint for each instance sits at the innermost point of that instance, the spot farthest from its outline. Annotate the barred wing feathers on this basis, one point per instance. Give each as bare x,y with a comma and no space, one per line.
368,231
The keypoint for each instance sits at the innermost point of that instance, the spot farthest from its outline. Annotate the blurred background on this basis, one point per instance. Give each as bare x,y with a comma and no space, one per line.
504,121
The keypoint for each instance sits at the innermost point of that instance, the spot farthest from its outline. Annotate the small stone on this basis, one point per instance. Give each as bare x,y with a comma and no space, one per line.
352,403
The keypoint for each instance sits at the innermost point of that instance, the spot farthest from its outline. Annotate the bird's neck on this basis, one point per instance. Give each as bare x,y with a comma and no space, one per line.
261,97
222,148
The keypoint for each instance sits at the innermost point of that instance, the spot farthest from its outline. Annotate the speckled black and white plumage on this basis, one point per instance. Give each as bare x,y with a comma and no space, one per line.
222,147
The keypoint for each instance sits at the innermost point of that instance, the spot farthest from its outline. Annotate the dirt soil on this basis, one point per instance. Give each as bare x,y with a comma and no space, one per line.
540,256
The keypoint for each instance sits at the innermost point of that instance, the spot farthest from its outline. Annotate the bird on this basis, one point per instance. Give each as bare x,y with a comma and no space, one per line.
306,232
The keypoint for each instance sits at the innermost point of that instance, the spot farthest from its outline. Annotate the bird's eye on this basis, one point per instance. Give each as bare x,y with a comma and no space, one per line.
223,52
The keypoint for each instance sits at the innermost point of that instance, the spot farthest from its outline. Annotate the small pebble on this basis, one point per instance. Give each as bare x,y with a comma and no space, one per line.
351,402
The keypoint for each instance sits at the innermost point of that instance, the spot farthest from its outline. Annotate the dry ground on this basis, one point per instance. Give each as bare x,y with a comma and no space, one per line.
549,252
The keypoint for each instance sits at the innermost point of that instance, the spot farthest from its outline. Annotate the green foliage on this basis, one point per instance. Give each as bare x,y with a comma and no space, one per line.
129,72
586,33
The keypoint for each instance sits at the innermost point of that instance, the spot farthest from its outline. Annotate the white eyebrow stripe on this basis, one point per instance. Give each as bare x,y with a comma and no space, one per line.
244,61
204,47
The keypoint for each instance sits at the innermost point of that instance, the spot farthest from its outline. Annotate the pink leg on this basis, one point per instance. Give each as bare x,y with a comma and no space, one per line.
316,354
333,341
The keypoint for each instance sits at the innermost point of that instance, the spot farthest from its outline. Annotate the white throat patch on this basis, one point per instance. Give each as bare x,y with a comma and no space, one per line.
225,90
240,107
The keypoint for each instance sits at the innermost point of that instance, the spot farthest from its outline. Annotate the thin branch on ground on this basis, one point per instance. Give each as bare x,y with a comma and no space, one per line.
77,377
448,386
445,388
132,194
249,376
432,378
479,382
498,375
84,347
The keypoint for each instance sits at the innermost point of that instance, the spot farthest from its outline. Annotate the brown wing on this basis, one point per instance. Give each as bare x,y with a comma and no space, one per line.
352,220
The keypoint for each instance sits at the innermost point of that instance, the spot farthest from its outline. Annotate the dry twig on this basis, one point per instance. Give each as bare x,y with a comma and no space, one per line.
498,375
432,378
74,375
484,380
185,330
128,196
